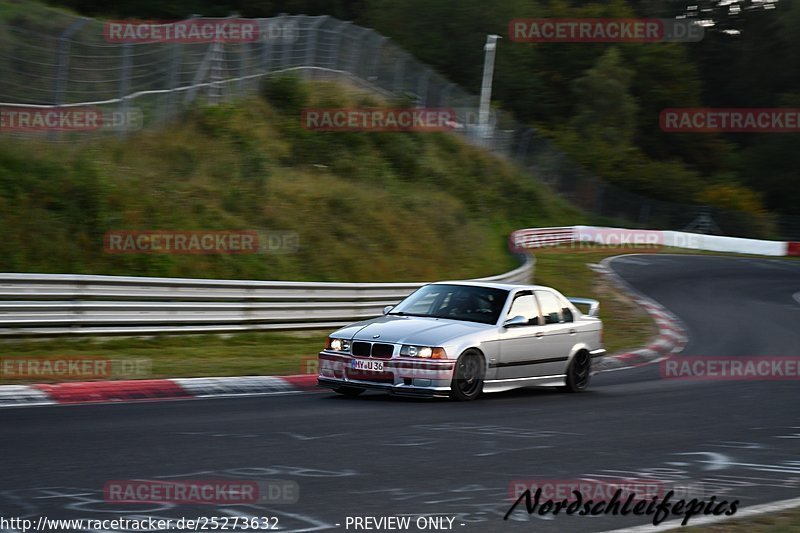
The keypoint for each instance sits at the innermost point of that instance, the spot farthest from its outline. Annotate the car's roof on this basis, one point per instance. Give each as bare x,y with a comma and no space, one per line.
491,284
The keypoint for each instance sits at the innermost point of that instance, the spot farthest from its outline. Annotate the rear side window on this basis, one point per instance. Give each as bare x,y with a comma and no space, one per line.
551,307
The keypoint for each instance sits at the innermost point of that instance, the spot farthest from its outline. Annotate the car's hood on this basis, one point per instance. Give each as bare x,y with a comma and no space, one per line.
421,331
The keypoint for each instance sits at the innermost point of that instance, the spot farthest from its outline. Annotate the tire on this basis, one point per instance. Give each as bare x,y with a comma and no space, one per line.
468,376
350,392
579,372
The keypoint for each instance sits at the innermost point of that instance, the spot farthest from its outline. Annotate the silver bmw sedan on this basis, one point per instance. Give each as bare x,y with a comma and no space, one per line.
460,339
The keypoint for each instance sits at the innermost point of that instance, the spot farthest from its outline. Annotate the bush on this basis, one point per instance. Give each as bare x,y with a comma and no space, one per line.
288,94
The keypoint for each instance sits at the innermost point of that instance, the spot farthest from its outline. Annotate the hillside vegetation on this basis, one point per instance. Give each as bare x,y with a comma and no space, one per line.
365,206
600,102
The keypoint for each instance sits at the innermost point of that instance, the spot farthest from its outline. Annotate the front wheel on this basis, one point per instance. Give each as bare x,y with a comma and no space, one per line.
352,392
579,372
468,377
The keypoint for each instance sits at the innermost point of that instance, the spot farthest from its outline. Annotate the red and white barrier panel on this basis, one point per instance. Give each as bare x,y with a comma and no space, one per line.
533,238
523,239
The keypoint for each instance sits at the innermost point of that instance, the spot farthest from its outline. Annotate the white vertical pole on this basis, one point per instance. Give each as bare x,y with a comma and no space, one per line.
486,86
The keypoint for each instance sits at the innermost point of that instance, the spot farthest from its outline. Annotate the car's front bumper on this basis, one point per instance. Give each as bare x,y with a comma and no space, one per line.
403,376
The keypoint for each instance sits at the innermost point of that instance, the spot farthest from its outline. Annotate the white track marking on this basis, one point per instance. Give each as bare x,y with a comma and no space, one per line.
755,510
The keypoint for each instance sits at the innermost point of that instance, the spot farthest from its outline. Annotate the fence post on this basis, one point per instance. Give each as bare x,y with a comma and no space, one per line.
398,75
124,86
598,199
63,60
313,42
215,70
338,48
285,48
266,48
175,66
355,57
241,72
202,70
422,88
445,96
376,52
644,212
522,148
62,74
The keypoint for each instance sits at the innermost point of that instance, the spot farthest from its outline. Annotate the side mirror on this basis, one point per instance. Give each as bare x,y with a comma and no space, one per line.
387,309
516,321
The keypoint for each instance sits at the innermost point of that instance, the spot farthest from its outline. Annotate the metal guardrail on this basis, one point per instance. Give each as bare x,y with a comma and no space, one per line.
60,304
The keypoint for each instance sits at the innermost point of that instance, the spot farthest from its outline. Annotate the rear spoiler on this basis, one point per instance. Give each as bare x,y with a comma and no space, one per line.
594,305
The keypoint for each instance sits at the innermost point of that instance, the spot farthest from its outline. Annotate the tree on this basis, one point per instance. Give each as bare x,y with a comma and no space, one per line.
605,109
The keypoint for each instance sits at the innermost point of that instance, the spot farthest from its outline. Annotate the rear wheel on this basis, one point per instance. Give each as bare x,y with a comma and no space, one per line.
352,392
468,376
579,372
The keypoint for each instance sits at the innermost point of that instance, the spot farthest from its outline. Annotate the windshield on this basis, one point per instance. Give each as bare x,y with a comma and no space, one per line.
456,302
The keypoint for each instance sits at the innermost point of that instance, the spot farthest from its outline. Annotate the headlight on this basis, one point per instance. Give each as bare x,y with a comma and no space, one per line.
338,345
424,352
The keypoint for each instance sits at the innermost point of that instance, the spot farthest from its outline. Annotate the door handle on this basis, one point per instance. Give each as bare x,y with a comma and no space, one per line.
572,332
539,334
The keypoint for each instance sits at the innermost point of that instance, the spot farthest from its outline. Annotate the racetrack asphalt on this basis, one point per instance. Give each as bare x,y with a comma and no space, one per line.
379,456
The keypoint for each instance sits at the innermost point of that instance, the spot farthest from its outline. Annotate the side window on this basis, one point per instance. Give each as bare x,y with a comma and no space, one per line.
551,307
566,310
525,305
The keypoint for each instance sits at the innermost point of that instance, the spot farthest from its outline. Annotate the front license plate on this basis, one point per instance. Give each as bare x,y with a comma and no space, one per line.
366,364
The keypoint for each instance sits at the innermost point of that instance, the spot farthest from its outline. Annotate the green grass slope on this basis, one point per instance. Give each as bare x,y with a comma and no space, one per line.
366,206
